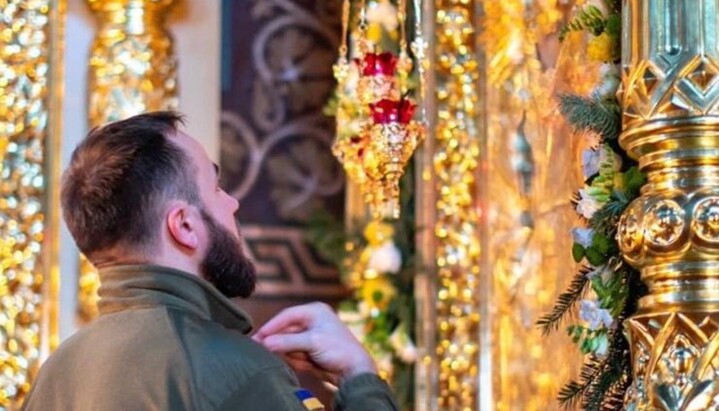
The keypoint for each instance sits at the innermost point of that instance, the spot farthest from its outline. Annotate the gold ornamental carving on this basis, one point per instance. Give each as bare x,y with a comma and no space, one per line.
670,95
31,49
456,155
132,63
132,69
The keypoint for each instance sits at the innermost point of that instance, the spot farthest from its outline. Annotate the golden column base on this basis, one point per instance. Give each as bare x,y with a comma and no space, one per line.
671,233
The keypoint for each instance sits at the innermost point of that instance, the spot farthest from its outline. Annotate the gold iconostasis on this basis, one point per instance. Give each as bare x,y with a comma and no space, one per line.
503,181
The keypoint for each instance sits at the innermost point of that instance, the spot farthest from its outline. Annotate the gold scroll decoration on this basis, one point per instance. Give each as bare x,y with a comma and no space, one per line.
29,143
671,233
456,230
133,69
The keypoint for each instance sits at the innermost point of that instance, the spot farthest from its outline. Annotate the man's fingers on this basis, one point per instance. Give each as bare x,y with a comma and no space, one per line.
299,364
300,361
286,343
296,318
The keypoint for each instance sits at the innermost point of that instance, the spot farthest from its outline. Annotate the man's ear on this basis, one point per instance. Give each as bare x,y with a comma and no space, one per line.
183,221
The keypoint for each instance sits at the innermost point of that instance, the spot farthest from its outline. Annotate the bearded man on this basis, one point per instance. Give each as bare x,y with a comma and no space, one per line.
143,203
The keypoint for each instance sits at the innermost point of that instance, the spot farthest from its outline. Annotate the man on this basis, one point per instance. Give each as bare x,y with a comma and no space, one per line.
142,200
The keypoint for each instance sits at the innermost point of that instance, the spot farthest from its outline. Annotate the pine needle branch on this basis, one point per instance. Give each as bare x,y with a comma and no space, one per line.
605,219
592,114
550,322
572,392
589,18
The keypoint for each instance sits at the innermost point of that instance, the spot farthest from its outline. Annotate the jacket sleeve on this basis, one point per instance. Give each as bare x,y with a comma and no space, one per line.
365,392
273,389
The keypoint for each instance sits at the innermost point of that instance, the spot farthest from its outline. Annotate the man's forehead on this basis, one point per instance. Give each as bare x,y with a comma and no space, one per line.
192,147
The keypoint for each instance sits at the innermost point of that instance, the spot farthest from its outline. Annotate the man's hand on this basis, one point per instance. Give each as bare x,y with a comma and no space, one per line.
311,336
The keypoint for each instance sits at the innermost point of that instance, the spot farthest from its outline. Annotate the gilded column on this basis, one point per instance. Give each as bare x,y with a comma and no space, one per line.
133,69
31,66
455,161
671,126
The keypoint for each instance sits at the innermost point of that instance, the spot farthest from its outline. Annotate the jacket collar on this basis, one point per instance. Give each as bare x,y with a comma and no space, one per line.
137,286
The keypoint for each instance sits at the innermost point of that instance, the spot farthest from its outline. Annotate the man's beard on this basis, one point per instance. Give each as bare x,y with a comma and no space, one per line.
225,265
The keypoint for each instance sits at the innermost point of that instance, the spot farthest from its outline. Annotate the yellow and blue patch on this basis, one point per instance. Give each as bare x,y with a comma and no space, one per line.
309,400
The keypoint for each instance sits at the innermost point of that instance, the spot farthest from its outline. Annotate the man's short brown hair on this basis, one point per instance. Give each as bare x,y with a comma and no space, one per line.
119,178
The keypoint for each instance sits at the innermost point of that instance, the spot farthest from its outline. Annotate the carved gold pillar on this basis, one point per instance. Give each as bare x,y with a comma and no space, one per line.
448,375
671,126
132,70
30,71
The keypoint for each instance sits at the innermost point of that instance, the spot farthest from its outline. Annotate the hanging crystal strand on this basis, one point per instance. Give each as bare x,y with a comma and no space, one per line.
341,68
419,48
404,66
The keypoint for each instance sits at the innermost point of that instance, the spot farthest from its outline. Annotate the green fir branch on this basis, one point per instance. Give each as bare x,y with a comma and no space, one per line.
608,386
572,392
592,114
565,302
590,18
605,219
603,382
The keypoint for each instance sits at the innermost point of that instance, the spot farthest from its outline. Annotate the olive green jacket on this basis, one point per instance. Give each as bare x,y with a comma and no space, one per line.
168,340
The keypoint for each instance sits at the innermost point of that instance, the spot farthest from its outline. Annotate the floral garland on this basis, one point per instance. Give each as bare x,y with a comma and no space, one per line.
605,289
376,260
378,266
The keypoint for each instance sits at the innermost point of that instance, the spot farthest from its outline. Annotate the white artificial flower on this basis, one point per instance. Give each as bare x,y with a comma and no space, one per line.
385,258
603,346
384,13
403,345
583,236
603,271
610,78
595,316
606,88
609,70
591,159
587,205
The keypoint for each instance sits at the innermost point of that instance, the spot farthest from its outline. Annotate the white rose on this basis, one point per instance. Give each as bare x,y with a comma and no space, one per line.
590,312
385,258
609,69
606,88
583,236
591,158
587,205
603,346
609,81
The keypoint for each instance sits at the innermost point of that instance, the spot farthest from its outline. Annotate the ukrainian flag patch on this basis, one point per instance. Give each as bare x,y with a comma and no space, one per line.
309,400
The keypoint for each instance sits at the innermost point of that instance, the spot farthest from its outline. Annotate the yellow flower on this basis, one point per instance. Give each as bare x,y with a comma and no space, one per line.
601,48
378,232
377,292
